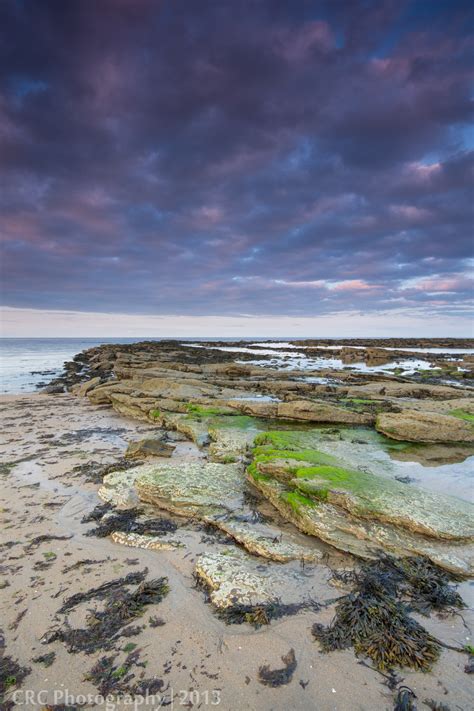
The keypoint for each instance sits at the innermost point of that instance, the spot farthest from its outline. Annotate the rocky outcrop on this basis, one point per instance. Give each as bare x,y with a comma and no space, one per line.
444,407
414,426
229,444
82,389
382,499
192,488
212,493
362,538
236,580
149,447
255,408
395,389
135,540
352,355
319,411
357,511
223,406
137,408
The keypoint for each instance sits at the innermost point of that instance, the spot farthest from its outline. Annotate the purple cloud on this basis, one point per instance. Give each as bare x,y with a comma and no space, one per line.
289,158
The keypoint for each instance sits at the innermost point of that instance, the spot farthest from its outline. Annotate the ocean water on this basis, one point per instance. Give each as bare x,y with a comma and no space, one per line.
287,359
26,362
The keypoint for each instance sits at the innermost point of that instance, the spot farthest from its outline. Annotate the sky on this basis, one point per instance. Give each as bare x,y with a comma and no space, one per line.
236,168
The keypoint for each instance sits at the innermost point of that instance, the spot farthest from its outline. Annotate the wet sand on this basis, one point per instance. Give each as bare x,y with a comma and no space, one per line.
201,660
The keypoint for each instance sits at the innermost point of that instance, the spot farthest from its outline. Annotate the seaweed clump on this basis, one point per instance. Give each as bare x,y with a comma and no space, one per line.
279,677
405,700
125,522
104,627
374,618
94,472
46,659
12,675
423,584
259,615
111,678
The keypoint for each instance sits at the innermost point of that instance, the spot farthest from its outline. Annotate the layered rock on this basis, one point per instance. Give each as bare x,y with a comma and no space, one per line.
414,426
362,538
319,411
402,389
359,512
222,406
149,447
236,580
210,492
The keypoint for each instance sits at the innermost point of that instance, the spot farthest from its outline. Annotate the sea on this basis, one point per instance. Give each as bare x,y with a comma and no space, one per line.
27,362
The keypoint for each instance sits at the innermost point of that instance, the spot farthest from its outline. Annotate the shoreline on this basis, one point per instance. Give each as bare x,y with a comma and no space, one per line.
193,651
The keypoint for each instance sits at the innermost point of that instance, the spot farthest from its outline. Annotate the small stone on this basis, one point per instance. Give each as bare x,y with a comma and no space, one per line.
149,447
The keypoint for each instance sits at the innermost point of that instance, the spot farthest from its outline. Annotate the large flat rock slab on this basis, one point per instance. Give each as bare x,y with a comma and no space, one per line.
192,487
212,493
360,537
149,447
379,498
386,388
415,426
358,511
319,411
236,579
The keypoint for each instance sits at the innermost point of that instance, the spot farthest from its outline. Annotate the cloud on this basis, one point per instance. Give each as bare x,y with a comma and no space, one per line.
161,158
20,323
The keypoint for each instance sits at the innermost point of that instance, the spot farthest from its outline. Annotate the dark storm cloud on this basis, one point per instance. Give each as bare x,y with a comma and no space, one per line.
223,158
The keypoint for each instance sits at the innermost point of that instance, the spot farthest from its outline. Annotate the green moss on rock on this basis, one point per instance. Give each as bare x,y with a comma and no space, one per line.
313,456
200,411
321,477
297,500
462,415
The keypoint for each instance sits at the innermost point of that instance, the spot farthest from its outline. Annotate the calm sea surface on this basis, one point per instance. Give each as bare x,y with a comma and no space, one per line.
25,362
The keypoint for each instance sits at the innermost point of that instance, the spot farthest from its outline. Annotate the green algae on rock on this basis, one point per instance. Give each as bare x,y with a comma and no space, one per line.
362,537
362,493
213,493
357,511
375,497
463,415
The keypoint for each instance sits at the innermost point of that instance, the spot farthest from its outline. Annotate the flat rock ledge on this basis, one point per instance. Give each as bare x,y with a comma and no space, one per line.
357,511
227,409
210,492
235,579
413,426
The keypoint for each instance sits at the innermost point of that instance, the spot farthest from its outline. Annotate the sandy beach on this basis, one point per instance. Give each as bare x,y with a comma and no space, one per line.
52,445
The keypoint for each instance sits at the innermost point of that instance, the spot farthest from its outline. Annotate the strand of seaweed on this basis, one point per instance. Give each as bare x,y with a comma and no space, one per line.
375,619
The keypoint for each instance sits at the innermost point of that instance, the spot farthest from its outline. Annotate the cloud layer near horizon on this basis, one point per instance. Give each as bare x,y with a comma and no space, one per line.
221,158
